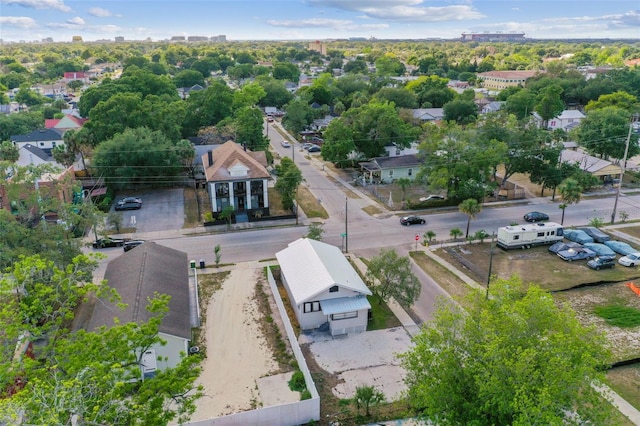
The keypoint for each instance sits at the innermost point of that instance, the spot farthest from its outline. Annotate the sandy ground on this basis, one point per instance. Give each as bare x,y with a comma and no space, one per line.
237,354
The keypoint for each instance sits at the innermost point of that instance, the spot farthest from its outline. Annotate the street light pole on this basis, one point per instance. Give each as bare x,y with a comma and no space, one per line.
346,233
624,166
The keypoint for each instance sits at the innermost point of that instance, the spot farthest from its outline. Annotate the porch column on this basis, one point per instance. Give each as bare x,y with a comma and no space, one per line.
231,200
265,193
213,195
248,196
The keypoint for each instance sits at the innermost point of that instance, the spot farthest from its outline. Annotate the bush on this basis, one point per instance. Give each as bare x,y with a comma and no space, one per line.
297,382
305,395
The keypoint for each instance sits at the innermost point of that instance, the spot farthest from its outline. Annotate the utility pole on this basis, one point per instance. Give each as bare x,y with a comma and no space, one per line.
493,234
346,233
624,166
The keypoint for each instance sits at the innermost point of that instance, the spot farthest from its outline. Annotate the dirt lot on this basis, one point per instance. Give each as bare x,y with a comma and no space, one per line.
535,265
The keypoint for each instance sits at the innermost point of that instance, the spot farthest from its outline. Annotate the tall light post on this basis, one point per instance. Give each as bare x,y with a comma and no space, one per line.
624,166
346,230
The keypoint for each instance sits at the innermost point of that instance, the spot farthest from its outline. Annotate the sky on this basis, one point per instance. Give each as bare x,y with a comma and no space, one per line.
34,20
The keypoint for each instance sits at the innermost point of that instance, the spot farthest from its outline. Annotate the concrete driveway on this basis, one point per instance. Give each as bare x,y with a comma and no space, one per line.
365,359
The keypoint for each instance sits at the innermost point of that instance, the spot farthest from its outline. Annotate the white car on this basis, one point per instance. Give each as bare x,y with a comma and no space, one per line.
286,144
632,259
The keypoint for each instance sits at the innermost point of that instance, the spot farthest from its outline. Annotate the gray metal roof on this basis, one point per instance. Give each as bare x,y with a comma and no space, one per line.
344,304
137,275
380,163
39,135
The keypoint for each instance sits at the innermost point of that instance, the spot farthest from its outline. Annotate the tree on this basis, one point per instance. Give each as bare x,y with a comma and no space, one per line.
550,104
461,111
226,214
471,207
515,358
248,123
75,84
28,97
217,251
618,99
604,131
521,104
91,376
207,107
140,156
338,146
189,78
115,220
367,396
315,231
404,183
571,193
455,233
389,275
9,152
429,236
289,177
299,115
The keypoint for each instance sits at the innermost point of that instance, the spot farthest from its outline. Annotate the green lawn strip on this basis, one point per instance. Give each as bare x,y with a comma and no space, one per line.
618,315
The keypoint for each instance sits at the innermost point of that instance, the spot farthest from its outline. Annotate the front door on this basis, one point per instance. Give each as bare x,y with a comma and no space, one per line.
240,203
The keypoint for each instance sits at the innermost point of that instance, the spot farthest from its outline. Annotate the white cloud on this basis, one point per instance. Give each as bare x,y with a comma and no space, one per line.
403,10
18,21
39,4
99,12
334,24
75,21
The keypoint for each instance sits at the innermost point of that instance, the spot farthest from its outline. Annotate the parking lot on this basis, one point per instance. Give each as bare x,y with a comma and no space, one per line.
162,209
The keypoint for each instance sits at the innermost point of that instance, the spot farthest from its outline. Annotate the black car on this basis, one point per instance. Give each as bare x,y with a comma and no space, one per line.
597,235
129,203
314,148
536,217
128,245
412,220
107,242
598,263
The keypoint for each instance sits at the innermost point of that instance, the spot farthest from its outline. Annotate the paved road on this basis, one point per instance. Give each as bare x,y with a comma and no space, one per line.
366,234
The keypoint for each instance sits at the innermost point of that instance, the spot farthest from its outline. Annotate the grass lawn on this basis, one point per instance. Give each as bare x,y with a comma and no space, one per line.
310,204
626,382
633,231
454,286
381,316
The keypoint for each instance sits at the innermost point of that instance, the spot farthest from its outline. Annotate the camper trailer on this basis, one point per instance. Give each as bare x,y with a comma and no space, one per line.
529,235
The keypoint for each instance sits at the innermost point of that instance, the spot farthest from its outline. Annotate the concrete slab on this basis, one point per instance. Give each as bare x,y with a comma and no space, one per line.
274,390
388,379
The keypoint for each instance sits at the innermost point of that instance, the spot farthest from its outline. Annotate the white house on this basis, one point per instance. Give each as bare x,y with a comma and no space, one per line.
45,139
323,287
567,119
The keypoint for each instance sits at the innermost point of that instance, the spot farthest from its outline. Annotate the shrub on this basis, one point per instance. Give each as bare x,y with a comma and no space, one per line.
297,382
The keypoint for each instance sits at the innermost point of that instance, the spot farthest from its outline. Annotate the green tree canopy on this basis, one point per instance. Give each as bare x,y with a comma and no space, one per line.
516,358
389,275
461,111
289,177
604,131
139,156
207,107
188,78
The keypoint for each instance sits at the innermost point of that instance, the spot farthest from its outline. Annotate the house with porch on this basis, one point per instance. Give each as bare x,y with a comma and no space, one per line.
387,169
603,169
323,287
566,120
238,178
137,275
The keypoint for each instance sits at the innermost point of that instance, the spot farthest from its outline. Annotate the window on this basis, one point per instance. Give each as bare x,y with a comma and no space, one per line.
390,173
516,237
344,315
334,289
310,307
540,234
410,172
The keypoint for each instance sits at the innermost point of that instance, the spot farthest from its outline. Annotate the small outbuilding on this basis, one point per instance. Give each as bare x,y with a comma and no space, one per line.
323,287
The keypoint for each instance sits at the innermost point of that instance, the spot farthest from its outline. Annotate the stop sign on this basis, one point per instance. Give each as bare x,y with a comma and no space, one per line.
417,237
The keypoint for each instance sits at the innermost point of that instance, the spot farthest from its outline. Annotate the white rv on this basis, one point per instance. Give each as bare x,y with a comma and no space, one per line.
529,235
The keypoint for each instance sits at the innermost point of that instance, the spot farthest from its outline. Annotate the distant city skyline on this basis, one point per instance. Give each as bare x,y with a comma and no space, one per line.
60,20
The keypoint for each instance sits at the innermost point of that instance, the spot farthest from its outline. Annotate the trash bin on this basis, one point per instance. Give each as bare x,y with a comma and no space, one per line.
193,264
201,263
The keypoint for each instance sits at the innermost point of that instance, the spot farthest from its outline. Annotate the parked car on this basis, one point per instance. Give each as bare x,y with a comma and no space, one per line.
314,148
307,145
412,220
561,245
597,235
107,242
431,198
620,247
128,245
598,263
601,250
632,259
285,144
576,253
129,203
536,217
577,236
270,119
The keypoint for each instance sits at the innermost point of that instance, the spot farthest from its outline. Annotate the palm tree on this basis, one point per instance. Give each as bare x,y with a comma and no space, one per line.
571,193
455,233
403,183
471,207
